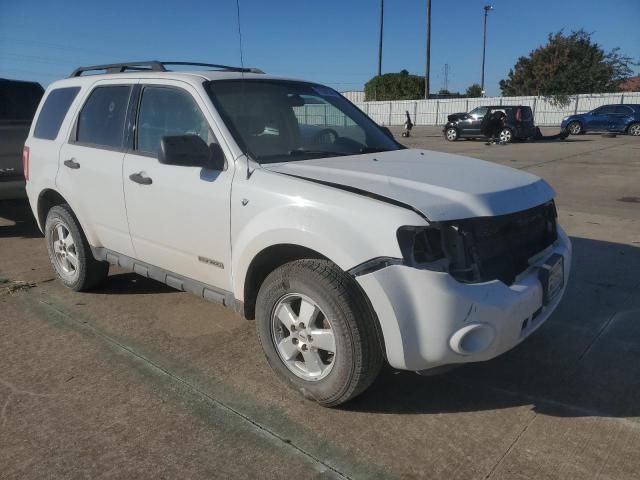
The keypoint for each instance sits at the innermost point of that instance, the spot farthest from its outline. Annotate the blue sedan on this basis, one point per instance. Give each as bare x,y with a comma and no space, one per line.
607,118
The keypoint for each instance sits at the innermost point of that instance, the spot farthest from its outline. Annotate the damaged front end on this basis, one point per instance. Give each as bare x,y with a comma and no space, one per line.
481,249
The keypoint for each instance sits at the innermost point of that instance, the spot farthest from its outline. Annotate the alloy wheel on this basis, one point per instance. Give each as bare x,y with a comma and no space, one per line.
634,129
303,337
505,135
65,254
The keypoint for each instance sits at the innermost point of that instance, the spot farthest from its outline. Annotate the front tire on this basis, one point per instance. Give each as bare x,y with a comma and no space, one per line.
451,134
317,331
634,129
574,128
69,251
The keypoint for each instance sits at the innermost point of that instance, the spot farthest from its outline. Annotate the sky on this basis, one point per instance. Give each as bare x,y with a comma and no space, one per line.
329,41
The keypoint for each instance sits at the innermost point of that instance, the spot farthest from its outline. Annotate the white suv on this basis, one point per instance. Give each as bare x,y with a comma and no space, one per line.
283,201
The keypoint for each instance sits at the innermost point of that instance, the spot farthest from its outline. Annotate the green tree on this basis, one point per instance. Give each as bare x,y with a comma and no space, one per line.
474,91
567,65
394,86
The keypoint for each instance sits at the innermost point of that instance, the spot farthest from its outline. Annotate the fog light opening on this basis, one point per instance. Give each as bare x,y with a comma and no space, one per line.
472,339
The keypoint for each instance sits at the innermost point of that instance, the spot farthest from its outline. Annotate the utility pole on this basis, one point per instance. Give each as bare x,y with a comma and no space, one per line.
445,71
380,44
427,73
487,8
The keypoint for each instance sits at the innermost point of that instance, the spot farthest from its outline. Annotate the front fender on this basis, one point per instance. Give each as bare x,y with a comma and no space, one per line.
347,228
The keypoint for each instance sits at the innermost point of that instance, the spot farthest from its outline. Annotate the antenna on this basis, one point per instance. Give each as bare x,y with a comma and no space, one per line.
240,33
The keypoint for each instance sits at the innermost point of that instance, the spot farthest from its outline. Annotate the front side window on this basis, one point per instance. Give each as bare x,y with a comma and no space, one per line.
101,121
53,112
281,120
167,111
479,112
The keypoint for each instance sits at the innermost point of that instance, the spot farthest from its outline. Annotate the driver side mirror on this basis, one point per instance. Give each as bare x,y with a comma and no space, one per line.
190,151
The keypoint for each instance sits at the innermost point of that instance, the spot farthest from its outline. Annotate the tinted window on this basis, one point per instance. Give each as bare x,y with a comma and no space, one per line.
169,111
606,110
101,120
53,112
19,100
479,111
622,110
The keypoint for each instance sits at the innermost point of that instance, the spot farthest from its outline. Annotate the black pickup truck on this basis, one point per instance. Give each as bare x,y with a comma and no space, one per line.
517,123
18,103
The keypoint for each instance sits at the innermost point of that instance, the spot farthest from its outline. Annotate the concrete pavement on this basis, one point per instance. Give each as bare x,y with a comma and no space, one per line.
137,380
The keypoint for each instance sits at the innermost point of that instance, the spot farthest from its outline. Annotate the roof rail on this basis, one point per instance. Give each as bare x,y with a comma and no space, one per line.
155,66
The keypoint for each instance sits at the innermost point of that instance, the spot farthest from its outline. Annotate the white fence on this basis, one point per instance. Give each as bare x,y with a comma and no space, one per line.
434,112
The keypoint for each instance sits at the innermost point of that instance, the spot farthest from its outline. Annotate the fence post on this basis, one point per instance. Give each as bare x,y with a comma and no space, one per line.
466,107
437,110
535,101
390,108
415,113
325,114
500,101
622,98
575,111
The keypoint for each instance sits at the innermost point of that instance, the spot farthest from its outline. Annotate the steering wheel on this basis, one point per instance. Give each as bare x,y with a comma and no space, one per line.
324,136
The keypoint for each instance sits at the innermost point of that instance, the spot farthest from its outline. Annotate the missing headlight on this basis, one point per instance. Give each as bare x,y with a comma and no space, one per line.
420,245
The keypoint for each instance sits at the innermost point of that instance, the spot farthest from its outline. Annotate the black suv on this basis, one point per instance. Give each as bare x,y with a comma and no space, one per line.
517,123
18,103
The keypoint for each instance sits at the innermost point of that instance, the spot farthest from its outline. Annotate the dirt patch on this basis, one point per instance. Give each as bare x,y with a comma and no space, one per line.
629,199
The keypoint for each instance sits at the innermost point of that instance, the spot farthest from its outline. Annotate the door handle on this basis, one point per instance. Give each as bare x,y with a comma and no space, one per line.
71,163
141,179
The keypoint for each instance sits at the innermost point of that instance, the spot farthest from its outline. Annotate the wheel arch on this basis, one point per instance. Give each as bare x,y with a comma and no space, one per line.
265,262
47,199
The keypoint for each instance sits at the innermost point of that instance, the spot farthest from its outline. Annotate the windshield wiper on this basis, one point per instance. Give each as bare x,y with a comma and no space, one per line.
373,150
297,152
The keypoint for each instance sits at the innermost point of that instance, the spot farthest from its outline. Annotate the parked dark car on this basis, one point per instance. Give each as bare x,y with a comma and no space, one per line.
18,103
607,118
517,123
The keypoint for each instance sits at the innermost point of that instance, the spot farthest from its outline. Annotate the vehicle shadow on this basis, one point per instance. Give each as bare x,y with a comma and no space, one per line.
16,220
581,362
128,283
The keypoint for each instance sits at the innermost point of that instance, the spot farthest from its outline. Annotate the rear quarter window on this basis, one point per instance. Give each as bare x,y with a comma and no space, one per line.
53,111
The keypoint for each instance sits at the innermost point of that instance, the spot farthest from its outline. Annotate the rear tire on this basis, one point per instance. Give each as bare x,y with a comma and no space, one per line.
634,129
323,310
574,128
506,135
69,251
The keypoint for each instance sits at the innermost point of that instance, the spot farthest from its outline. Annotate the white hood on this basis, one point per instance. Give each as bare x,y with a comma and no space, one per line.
441,186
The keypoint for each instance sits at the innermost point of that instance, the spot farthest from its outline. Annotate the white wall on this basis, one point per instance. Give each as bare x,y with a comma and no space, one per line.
434,112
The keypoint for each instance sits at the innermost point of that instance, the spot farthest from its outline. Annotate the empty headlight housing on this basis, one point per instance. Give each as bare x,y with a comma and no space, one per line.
420,245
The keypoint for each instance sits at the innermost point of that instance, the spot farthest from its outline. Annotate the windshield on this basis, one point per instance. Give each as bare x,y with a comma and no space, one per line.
281,120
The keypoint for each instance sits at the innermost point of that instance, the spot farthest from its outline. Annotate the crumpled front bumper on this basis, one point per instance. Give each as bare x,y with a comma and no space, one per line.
426,316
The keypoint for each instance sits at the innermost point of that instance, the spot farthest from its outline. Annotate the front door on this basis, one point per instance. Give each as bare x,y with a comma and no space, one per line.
179,216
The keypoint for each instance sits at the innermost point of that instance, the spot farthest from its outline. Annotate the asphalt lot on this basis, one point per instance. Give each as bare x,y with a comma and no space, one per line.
137,380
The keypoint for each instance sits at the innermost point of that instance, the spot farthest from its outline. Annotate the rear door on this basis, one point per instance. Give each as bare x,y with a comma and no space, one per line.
90,172
621,117
179,216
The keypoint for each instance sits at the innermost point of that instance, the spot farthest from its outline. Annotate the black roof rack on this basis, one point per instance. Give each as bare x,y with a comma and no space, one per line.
155,66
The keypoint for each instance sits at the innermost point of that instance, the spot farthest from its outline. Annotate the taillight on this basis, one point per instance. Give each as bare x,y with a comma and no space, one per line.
25,162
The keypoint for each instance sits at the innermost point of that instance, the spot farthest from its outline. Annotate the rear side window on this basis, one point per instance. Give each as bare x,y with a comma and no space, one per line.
101,121
622,110
53,112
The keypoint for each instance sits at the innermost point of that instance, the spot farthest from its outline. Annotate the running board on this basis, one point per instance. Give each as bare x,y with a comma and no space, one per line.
173,280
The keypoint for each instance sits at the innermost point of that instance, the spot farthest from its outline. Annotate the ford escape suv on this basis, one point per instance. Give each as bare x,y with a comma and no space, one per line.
281,200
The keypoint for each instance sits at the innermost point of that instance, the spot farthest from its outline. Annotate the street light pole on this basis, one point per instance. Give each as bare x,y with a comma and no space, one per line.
487,8
427,73
380,44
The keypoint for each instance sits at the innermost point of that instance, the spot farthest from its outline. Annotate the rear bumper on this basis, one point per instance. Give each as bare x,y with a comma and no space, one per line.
11,189
424,314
